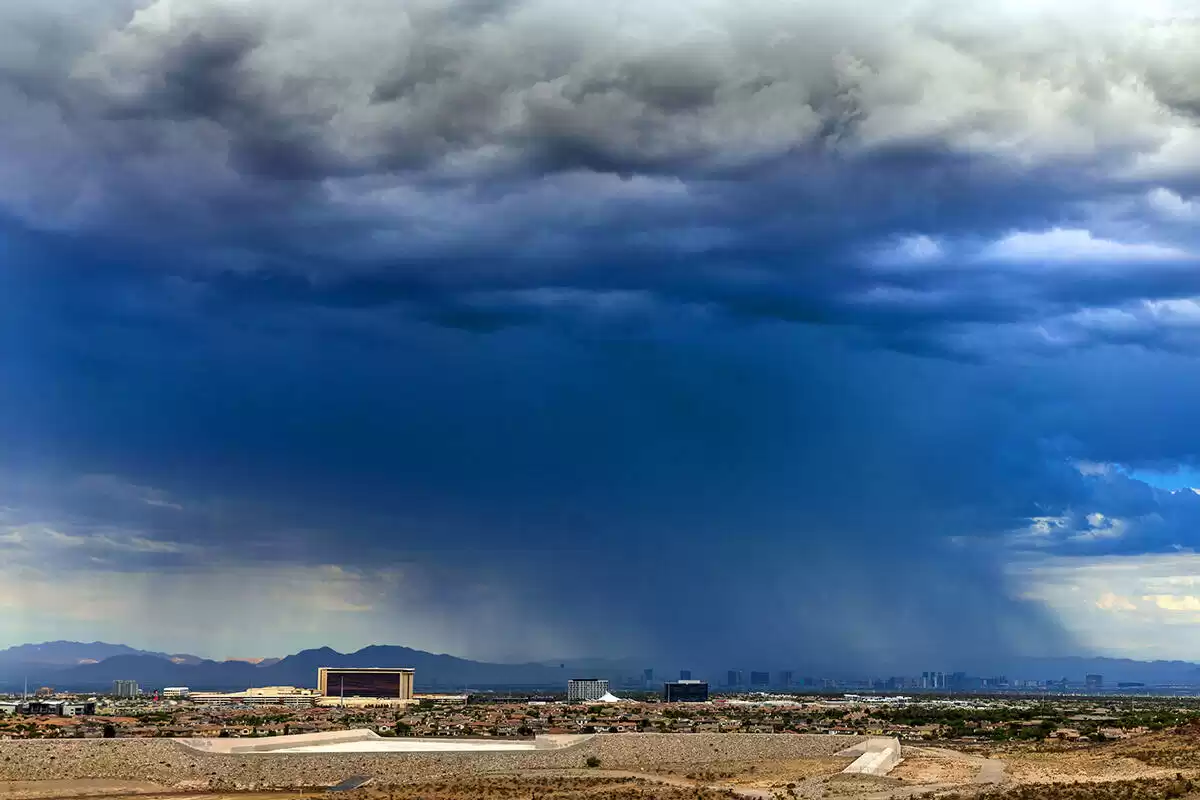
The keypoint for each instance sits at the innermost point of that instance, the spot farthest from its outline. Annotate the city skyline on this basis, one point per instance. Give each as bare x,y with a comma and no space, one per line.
62,666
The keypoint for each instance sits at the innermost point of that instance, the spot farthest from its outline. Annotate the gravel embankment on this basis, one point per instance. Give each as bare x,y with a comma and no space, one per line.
174,765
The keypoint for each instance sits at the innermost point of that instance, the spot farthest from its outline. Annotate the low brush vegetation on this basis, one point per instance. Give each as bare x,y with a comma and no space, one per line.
1141,789
548,788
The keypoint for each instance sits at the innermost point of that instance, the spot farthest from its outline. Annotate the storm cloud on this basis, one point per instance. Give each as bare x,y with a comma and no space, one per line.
804,332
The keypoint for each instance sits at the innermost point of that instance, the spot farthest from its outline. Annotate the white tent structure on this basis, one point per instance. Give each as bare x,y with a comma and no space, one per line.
609,697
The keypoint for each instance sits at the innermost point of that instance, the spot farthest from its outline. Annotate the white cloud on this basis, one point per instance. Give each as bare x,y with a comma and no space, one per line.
1171,205
1115,602
1066,245
41,540
1097,600
910,250
1171,602
116,488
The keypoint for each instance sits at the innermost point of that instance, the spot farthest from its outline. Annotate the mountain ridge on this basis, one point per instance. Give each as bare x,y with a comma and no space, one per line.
66,653
61,668
298,669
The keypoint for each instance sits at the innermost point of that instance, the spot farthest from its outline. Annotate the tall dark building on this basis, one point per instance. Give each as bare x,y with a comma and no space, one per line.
733,677
685,691
760,678
381,682
785,678
685,674
648,675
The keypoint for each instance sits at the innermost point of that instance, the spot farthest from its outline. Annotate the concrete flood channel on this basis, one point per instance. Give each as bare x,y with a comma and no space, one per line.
876,756
365,741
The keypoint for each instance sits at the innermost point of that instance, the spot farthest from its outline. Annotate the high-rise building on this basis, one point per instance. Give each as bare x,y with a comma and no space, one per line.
1094,681
648,675
125,689
785,678
685,674
760,678
583,690
685,691
733,677
933,680
385,683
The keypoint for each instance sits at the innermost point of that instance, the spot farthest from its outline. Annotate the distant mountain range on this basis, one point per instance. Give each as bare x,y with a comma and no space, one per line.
74,665
94,666
63,654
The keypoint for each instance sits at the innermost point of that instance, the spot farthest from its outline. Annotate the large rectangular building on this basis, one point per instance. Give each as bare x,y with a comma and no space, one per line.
385,683
583,690
685,692
262,696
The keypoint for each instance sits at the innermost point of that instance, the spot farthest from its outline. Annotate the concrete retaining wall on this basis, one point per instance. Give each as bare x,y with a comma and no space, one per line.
879,757
269,743
272,743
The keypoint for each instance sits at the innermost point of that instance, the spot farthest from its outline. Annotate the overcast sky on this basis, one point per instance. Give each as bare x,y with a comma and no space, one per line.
726,330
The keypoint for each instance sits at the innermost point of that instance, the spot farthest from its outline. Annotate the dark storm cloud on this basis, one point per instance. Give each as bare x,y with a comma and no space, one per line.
687,472
748,160
594,313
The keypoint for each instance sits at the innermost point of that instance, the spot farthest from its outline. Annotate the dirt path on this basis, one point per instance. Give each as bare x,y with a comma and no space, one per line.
666,780
36,790
124,790
991,771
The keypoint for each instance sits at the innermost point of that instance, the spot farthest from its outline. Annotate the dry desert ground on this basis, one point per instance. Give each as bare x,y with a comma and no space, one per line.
623,766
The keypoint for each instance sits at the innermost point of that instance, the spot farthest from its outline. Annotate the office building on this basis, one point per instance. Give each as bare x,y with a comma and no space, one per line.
648,676
125,689
733,677
760,678
685,691
175,692
1094,681
384,683
685,674
288,696
786,678
56,708
585,690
